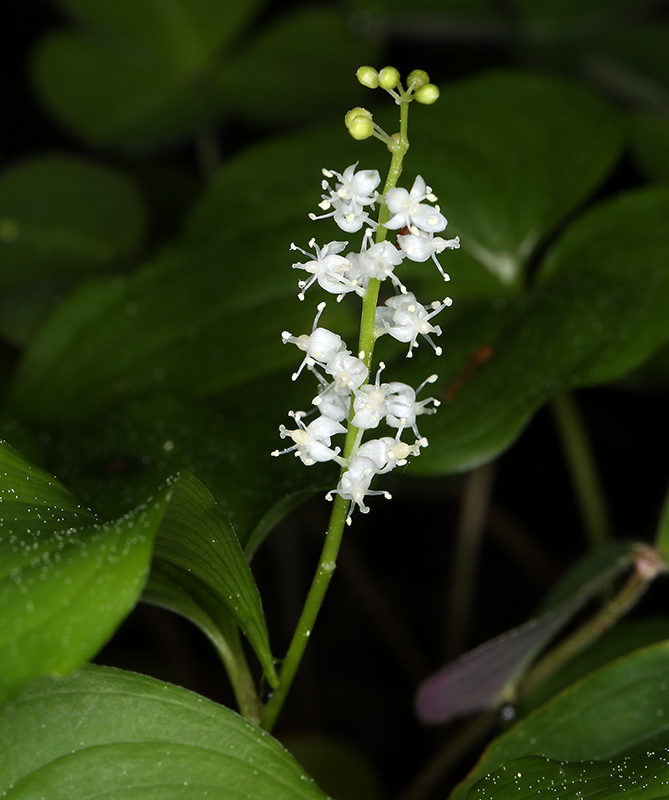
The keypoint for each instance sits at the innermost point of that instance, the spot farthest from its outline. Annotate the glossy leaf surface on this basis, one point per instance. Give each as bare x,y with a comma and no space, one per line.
576,725
643,778
66,580
116,734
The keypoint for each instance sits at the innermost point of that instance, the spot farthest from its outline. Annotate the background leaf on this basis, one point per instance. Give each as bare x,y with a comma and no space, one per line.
62,217
116,733
66,581
576,725
488,676
590,319
644,777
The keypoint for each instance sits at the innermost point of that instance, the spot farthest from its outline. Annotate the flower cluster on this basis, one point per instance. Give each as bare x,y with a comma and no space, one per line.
345,394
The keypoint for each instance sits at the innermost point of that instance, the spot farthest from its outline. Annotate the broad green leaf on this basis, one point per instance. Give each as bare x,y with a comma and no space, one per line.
138,73
650,144
66,580
489,675
643,778
598,310
110,94
61,217
116,735
279,81
626,636
113,462
196,536
186,32
577,724
553,144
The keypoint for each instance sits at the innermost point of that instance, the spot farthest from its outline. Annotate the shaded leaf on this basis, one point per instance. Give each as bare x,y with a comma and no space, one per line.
650,144
61,217
66,581
488,676
115,461
591,318
643,777
117,734
279,83
112,95
576,725
554,143
196,536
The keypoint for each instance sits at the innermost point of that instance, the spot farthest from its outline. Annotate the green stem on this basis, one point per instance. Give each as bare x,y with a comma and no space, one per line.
314,601
648,564
240,676
328,560
584,474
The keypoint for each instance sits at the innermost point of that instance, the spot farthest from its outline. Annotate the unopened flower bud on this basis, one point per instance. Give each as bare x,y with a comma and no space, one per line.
361,127
358,111
368,77
427,94
389,77
417,78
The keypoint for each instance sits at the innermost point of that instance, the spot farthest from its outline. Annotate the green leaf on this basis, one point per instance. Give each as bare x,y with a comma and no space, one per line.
112,95
643,778
650,144
66,581
280,83
662,534
187,32
115,734
576,725
598,311
554,143
61,217
116,460
206,315
196,536
139,73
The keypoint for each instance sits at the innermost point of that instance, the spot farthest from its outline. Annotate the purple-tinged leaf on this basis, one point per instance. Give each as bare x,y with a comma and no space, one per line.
487,676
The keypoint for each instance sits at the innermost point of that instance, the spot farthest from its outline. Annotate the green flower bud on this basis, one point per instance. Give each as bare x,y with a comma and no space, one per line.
368,77
358,111
396,138
417,78
389,77
427,94
360,127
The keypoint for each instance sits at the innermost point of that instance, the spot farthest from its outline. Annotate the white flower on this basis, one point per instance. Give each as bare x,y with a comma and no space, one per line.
349,197
377,261
419,246
404,318
369,404
312,442
388,453
327,268
320,346
402,408
354,484
407,209
333,404
348,371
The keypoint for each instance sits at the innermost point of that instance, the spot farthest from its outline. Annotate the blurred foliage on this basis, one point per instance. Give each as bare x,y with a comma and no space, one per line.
158,160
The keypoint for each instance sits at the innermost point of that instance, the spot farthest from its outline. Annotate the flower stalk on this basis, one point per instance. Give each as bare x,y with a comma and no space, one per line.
349,401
